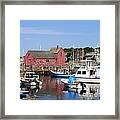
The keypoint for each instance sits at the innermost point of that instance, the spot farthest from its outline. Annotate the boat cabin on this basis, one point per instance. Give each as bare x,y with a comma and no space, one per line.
84,72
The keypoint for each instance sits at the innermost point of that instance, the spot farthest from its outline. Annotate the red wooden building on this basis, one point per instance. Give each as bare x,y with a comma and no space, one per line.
54,57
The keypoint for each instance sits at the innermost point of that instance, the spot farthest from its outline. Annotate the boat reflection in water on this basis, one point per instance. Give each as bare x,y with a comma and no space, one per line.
54,89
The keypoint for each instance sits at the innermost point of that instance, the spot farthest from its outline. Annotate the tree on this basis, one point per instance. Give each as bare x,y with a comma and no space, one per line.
88,49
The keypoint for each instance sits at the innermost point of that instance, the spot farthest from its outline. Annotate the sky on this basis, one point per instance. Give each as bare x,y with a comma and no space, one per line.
46,34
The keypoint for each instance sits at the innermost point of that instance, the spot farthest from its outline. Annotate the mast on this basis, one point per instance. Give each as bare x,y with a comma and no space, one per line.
73,54
40,48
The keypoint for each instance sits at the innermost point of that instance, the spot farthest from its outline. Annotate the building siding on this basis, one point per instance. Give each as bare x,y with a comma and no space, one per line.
60,58
57,60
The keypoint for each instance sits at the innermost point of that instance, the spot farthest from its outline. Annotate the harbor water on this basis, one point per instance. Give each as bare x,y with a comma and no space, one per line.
52,88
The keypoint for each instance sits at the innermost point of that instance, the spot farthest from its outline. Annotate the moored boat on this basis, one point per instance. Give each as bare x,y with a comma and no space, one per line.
29,82
71,82
84,74
30,76
59,74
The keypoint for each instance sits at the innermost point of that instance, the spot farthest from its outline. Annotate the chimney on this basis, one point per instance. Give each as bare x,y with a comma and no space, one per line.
57,46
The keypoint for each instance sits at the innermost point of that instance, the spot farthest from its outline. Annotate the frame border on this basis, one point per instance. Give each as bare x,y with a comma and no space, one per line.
62,2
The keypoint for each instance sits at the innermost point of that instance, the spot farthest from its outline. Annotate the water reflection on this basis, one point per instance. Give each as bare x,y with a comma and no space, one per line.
51,89
54,89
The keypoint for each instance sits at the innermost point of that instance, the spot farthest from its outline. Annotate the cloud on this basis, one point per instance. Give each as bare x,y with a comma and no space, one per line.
31,30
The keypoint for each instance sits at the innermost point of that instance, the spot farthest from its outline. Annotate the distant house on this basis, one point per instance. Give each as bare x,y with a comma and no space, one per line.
79,54
54,57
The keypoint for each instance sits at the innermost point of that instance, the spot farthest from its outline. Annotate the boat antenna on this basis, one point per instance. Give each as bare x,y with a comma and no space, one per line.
40,48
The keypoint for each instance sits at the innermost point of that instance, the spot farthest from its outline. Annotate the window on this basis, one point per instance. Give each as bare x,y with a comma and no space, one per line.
91,72
79,72
83,72
47,60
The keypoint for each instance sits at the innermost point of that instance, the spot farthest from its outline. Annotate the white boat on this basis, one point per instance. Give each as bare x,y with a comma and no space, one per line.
72,85
30,76
84,74
88,74
71,82
59,74
30,79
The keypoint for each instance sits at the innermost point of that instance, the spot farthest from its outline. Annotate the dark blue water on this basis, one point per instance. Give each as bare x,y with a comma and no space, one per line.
54,89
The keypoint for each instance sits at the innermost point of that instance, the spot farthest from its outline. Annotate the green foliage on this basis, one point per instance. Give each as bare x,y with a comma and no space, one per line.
68,50
88,49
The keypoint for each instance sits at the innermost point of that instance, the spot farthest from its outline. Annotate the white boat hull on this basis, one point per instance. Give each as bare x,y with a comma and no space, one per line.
83,80
89,80
71,85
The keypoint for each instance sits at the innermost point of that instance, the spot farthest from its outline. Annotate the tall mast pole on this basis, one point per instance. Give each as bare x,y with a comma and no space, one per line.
73,54
40,48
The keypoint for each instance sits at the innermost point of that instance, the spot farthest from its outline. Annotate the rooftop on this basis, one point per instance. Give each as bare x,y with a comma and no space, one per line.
42,54
55,50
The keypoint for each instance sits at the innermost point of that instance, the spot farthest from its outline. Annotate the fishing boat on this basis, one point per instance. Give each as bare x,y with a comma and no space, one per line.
30,81
30,75
87,75
71,82
85,72
59,74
